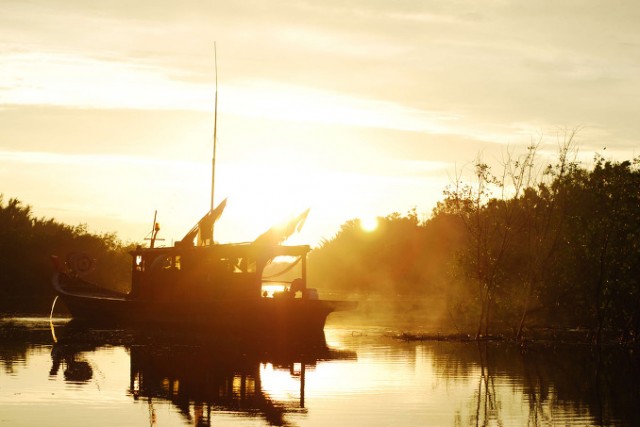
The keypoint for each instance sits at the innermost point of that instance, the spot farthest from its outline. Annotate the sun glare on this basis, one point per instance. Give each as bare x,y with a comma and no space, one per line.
369,224
267,193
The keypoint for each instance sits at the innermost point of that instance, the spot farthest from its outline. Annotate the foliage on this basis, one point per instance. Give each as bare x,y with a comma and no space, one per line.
599,264
561,251
26,244
556,246
401,256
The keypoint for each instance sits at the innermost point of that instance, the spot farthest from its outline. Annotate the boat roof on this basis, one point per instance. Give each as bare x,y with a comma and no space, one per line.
236,250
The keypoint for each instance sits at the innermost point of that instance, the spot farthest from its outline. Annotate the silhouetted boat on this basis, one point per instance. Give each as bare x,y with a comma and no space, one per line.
199,282
219,286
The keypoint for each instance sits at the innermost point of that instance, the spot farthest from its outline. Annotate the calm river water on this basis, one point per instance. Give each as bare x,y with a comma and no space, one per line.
362,376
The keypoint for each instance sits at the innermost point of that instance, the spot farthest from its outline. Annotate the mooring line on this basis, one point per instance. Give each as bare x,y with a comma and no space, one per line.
53,332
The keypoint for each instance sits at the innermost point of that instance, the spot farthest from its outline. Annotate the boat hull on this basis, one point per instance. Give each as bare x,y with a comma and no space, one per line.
256,316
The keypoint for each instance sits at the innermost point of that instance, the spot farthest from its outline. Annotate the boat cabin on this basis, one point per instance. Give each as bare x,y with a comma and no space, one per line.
221,271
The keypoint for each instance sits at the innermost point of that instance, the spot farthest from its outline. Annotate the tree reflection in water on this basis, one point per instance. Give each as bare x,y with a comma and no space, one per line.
561,384
487,407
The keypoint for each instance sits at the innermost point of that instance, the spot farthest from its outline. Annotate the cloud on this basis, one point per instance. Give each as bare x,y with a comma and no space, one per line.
86,160
494,63
375,88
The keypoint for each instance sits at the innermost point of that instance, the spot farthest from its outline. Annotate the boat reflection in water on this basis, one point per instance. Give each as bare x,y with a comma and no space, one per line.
201,377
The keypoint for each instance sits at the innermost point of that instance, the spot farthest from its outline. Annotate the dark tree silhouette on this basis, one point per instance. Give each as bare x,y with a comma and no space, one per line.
26,244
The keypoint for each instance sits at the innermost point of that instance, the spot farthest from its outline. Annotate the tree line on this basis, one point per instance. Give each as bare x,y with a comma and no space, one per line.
510,251
506,251
26,244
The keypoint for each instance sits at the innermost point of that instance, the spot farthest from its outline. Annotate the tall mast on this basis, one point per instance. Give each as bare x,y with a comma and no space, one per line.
215,127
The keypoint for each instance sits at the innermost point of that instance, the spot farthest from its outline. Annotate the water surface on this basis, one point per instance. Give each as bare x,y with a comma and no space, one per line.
359,376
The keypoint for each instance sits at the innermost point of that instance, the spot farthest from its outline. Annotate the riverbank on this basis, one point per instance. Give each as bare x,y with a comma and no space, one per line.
578,336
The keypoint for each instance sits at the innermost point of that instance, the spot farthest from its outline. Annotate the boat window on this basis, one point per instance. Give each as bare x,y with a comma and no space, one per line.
251,265
170,263
139,263
231,265
239,265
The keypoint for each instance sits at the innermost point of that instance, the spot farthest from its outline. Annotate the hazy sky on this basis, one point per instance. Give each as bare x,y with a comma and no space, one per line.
350,108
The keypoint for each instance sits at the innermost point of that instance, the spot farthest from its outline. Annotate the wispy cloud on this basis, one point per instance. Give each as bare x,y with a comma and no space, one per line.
88,160
490,65
64,80
70,80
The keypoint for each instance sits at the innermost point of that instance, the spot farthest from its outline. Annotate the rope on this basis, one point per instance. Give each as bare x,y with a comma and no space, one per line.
286,270
53,332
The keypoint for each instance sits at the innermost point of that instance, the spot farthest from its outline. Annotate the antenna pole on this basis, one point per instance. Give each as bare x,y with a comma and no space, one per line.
215,126
155,229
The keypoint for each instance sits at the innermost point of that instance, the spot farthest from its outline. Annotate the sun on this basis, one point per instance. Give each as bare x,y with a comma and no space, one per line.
369,224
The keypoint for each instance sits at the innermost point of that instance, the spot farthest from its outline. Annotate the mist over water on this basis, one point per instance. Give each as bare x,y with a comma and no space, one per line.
396,314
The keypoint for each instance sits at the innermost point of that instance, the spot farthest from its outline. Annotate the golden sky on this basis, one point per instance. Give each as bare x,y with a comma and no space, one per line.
352,108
